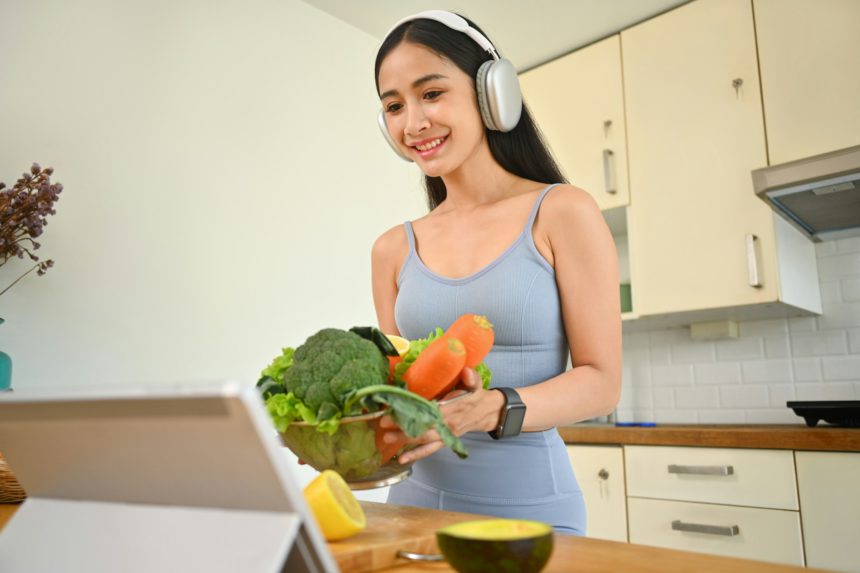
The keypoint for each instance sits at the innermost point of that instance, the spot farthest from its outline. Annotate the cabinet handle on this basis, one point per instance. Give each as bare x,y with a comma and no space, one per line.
609,171
702,470
752,261
726,530
603,474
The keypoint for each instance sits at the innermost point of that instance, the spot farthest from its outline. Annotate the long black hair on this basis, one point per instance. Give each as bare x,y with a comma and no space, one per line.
520,151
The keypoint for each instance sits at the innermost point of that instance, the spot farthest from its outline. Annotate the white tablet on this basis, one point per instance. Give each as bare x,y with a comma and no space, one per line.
184,478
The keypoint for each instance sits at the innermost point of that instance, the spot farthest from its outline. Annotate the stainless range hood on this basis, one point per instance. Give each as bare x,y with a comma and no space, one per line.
819,195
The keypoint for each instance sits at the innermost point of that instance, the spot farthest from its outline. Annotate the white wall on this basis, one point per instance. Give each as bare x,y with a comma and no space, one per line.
669,378
224,182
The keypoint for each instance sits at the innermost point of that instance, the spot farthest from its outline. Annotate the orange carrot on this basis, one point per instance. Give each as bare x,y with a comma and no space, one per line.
437,368
392,362
476,334
386,450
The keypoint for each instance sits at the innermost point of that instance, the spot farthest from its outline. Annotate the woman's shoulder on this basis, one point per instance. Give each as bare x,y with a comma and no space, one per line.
565,203
392,245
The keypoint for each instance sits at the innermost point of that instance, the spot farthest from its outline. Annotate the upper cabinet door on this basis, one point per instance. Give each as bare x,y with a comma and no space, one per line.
810,75
699,237
578,103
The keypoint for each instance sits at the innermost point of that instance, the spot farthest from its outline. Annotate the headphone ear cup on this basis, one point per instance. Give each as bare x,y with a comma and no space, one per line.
380,119
499,95
481,88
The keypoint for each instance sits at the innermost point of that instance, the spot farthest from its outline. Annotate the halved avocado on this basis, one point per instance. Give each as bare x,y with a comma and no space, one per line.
502,545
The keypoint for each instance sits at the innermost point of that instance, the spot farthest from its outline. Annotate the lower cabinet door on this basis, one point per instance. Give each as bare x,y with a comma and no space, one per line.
600,472
750,533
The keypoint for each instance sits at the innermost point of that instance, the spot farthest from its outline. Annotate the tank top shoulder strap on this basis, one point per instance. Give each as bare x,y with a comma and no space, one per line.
410,236
536,207
527,232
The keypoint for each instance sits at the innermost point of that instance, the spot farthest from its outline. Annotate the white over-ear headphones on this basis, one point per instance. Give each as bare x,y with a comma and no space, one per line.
499,96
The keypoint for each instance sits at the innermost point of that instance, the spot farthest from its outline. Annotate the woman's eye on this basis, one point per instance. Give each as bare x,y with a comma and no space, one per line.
393,107
432,94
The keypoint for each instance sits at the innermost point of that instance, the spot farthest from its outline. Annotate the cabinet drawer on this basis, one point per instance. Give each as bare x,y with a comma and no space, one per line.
764,534
757,478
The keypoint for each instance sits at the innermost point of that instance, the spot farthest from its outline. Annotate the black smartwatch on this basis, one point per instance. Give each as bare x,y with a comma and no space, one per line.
513,414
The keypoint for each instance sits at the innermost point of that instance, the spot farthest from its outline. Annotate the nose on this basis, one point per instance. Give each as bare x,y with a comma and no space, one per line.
416,120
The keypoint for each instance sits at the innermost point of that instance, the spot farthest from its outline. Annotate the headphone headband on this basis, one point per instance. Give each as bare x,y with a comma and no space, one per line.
454,22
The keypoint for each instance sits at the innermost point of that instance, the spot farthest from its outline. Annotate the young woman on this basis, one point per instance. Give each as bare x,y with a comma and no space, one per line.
507,238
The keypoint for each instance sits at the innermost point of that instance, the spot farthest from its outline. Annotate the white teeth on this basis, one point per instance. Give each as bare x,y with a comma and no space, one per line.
430,145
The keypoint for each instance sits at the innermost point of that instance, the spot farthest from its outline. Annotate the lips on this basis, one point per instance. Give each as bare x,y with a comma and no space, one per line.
430,146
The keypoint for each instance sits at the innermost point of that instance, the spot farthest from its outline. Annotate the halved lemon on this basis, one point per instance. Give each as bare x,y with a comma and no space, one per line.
400,343
335,508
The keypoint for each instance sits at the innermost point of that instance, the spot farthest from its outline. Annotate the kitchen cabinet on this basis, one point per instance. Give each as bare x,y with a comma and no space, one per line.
741,503
578,102
701,242
830,505
809,53
600,473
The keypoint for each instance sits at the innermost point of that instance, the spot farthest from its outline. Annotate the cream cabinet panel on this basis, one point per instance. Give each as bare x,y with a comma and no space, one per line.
764,534
810,74
699,237
829,487
600,472
577,101
757,478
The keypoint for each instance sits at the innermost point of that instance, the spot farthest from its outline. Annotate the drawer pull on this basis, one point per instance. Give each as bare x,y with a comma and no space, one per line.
726,530
702,470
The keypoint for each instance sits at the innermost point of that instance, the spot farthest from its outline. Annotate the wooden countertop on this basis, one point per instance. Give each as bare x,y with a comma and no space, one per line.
782,437
570,554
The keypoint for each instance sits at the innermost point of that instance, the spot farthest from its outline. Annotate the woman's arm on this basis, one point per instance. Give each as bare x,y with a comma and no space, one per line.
387,255
586,270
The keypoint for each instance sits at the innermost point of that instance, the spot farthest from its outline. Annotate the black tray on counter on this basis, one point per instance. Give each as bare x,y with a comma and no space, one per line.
836,412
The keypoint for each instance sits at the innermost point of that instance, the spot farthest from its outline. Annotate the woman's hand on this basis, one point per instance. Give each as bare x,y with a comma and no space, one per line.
478,411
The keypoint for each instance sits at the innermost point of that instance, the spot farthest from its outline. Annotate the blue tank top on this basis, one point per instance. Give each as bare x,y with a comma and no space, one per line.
525,477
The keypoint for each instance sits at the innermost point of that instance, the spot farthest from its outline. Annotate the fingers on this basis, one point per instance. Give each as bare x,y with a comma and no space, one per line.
471,380
420,452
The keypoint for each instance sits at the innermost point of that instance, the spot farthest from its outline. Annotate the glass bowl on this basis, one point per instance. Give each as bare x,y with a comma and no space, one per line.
351,451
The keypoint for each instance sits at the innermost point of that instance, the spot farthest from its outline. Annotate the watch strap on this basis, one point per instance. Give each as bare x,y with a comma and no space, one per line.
509,425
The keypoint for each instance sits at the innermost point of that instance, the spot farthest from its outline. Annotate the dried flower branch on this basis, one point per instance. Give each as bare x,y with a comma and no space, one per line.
23,215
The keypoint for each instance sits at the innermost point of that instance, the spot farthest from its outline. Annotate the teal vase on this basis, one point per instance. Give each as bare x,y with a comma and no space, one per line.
5,371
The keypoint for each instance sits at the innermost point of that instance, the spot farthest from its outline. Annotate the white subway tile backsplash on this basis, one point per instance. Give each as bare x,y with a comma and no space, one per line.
829,391
850,289
722,416
676,416
849,245
718,373
672,375
773,416
838,266
825,249
801,324
740,349
807,369
744,396
841,368
854,341
830,293
777,347
671,379
819,343
697,397
756,371
779,394
842,315
763,327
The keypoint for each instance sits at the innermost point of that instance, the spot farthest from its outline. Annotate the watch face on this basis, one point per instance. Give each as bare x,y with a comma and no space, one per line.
514,420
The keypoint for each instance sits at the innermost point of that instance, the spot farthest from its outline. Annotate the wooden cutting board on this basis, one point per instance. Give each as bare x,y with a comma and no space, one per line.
391,528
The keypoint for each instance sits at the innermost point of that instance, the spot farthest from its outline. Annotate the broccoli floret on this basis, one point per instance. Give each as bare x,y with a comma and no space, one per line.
330,365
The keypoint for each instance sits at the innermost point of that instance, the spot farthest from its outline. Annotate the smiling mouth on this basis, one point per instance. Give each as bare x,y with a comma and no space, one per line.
431,144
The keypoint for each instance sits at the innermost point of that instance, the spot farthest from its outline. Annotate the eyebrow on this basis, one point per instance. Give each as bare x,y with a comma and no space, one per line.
420,81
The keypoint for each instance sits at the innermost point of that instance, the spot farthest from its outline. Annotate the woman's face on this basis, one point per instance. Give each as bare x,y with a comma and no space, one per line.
430,108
